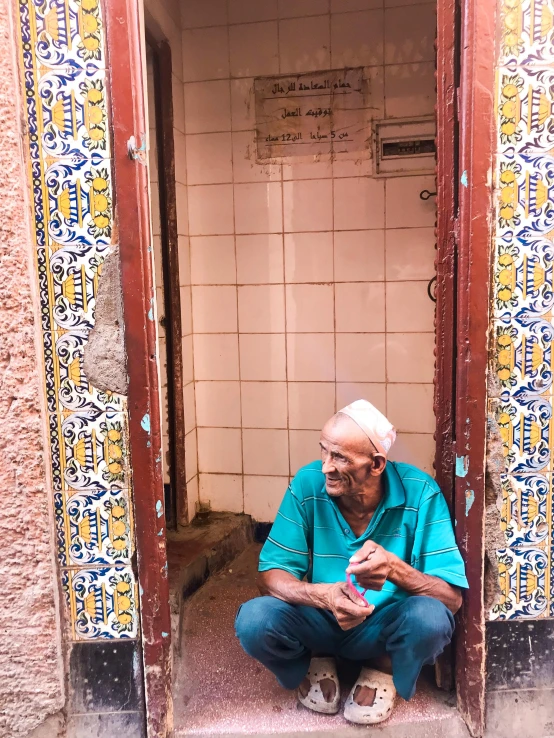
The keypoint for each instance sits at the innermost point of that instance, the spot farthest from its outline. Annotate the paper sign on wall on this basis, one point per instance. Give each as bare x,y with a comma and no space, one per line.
312,114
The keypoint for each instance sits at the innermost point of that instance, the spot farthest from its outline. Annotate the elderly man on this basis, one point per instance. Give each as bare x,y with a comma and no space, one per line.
349,523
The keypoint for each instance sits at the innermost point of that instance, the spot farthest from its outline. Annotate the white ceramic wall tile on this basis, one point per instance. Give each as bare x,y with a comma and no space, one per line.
219,450
259,259
306,168
264,404
181,200
410,90
218,404
214,309
360,307
308,205
179,142
223,492
212,260
410,407
375,392
186,311
409,307
183,246
192,497
262,357
309,308
359,203
249,11
263,495
357,39
258,208
410,34
191,455
189,402
207,107
304,44
415,448
188,371
309,257
404,206
359,256
410,357
301,8
155,211
311,404
347,6
254,49
410,253
265,451
262,308
216,356
199,13
243,111
211,210
360,357
178,99
205,54
311,357
209,158
304,448
343,166
245,168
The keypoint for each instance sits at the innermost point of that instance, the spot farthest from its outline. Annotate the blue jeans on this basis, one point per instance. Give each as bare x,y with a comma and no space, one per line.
413,632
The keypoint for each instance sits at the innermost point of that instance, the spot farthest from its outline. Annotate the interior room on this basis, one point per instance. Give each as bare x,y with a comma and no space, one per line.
306,266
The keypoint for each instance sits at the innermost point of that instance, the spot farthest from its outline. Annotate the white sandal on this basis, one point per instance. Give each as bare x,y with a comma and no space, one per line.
322,667
383,703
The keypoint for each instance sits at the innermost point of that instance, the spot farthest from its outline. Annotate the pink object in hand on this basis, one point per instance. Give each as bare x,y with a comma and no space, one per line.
353,589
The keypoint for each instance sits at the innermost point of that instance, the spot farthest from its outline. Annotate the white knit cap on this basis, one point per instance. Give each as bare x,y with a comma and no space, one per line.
373,423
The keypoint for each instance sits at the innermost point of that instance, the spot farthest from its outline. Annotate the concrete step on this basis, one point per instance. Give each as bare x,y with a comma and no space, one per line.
218,691
198,551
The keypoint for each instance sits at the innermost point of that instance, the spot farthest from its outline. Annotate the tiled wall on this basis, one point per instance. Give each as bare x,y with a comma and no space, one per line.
309,280
522,305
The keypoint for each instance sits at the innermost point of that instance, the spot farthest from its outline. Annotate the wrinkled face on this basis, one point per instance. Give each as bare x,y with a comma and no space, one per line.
350,461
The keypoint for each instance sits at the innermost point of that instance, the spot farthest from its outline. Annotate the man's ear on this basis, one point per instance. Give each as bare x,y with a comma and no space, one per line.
379,464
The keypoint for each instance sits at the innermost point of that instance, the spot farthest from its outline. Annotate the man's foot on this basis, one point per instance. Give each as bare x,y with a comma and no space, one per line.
371,699
320,691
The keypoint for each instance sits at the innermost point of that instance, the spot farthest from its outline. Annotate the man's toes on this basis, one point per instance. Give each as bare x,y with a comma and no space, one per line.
328,689
304,688
364,696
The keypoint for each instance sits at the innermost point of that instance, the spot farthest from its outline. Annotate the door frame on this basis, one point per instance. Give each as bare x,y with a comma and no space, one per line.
466,57
464,105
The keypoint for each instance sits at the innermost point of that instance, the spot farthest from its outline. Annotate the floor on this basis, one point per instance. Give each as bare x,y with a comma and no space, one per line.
220,691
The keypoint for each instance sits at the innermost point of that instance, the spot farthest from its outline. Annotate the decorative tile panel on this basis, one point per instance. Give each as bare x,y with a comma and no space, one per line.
66,102
523,300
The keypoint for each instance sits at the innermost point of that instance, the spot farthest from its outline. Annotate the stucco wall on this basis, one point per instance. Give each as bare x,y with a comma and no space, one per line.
31,673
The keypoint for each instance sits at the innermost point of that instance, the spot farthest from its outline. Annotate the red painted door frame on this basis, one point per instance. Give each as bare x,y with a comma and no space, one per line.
133,227
465,148
466,55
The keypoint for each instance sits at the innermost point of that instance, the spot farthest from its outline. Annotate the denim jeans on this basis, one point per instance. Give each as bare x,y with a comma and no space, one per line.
413,632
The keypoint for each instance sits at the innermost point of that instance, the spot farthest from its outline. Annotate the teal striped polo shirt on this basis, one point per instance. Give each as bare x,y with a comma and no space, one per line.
311,539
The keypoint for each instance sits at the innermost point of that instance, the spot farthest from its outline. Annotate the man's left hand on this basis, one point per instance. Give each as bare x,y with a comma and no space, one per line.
371,565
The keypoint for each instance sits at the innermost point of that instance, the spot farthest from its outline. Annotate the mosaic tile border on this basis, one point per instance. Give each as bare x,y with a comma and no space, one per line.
523,301
63,77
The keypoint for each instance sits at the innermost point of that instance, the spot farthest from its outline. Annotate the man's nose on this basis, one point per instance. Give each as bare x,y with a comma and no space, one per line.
327,466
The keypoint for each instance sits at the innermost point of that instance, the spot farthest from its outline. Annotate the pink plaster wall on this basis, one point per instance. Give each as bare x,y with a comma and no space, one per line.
31,673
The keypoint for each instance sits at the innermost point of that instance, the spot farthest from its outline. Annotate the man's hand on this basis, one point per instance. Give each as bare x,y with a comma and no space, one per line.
348,609
371,565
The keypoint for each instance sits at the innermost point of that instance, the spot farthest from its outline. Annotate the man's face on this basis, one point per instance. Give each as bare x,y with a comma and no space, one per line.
348,457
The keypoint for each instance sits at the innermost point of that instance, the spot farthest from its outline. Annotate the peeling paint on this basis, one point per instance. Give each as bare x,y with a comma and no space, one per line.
145,423
159,508
470,499
164,634
462,466
160,532
463,179
151,311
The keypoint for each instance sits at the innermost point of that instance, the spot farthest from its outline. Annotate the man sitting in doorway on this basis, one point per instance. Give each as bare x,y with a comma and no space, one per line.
348,523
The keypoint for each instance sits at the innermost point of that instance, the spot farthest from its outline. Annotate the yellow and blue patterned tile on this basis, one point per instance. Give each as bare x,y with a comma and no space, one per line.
524,424
526,514
67,387
526,32
94,527
102,602
523,583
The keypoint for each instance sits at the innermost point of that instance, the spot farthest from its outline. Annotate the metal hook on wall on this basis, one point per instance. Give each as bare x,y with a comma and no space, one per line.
431,288
426,194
